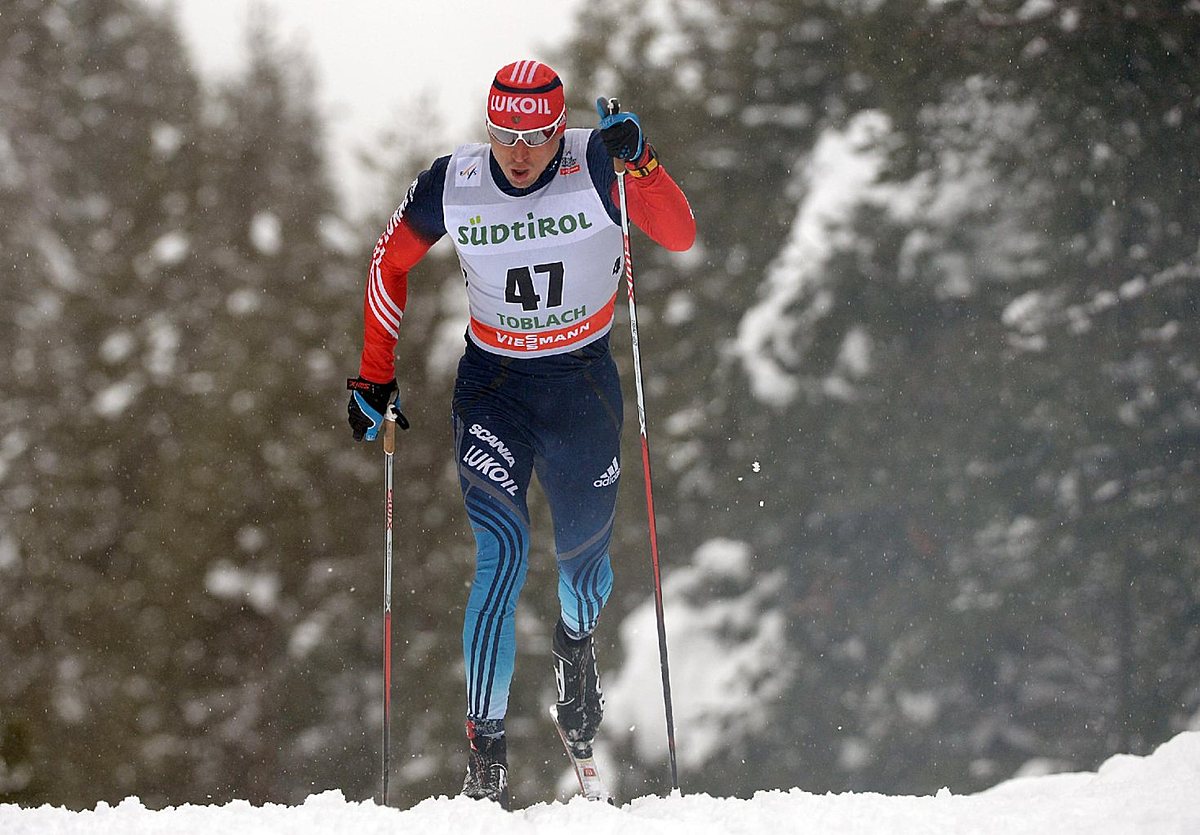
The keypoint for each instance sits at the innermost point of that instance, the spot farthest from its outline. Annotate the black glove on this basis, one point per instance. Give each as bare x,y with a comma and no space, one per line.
621,132
369,403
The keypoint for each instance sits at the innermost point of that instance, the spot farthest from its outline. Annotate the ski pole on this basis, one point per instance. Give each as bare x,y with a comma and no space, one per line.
389,449
619,165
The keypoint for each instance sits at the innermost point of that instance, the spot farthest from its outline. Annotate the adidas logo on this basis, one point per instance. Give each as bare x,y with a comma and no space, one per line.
610,475
560,679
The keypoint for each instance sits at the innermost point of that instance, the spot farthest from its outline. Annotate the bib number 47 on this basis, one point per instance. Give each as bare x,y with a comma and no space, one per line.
519,286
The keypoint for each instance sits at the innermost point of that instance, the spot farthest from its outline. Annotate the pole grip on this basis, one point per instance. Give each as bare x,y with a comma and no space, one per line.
613,107
389,431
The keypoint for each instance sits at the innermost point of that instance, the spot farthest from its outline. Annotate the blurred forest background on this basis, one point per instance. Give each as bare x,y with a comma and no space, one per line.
924,405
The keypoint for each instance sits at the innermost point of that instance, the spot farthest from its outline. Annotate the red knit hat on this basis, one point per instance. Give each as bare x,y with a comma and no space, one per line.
526,95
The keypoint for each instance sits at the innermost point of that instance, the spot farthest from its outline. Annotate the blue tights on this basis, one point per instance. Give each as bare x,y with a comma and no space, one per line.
558,417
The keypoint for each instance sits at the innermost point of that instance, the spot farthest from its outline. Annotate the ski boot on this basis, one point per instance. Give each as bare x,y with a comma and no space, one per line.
580,705
487,763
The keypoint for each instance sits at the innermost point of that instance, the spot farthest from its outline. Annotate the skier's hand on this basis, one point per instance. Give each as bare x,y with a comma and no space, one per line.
369,402
621,133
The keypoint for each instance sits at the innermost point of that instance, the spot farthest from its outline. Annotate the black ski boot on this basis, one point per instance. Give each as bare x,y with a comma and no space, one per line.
580,705
487,764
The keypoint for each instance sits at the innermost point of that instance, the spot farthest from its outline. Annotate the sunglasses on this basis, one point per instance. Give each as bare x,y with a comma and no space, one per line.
532,138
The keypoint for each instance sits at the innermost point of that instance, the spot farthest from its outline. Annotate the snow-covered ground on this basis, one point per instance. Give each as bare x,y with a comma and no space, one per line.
1155,794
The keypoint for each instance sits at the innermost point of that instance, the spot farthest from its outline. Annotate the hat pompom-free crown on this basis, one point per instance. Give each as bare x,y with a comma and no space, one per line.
526,95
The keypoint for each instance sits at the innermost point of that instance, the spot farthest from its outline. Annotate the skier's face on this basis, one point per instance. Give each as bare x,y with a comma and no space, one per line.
521,164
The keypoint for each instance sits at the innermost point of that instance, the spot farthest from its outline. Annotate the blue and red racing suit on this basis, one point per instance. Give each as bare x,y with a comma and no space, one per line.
537,389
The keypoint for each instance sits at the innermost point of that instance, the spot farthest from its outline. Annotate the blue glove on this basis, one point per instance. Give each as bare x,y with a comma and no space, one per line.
620,132
368,404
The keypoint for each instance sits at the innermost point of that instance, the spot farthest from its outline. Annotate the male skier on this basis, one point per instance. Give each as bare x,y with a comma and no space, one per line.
534,217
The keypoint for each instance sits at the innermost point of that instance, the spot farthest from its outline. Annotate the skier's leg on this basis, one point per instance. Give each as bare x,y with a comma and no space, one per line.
494,468
579,468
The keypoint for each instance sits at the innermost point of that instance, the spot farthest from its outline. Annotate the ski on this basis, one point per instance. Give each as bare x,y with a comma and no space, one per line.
590,784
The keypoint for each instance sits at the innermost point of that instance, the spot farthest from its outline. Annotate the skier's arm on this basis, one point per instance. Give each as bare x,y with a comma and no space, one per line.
398,249
413,229
656,204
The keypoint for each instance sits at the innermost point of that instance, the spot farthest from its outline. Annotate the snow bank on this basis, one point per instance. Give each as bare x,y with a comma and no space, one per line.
1155,794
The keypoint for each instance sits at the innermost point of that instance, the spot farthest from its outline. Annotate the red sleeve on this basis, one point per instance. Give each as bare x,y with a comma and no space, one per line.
659,208
397,250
